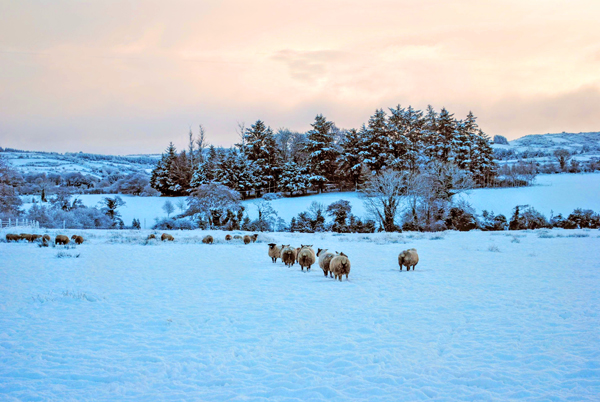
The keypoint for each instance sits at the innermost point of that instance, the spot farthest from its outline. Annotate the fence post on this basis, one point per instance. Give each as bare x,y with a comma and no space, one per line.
0,223
64,224
8,222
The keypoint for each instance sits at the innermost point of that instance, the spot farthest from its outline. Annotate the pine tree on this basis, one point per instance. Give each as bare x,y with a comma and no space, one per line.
375,142
260,147
322,152
160,178
415,137
464,141
294,179
350,162
399,144
430,136
444,136
483,166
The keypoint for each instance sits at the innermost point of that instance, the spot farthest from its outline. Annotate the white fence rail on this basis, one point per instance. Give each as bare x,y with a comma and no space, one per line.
22,223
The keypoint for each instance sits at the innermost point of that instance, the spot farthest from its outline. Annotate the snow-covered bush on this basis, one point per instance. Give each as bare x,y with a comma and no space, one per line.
491,222
174,224
526,217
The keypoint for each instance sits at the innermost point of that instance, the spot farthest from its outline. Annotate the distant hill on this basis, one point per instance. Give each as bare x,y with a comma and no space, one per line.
93,164
575,142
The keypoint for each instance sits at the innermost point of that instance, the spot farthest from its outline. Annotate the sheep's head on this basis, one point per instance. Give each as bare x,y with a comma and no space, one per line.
271,245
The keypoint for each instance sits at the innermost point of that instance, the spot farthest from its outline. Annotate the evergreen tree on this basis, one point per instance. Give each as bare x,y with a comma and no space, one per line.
375,142
430,136
464,142
294,179
414,135
161,175
445,129
399,143
260,146
237,172
322,152
483,166
350,162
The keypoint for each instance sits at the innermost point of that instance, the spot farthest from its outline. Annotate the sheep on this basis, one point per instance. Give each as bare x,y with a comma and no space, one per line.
237,237
288,255
254,237
306,257
228,237
46,238
208,240
408,258
166,236
325,260
297,252
13,237
77,239
151,236
61,239
27,236
274,252
247,239
340,265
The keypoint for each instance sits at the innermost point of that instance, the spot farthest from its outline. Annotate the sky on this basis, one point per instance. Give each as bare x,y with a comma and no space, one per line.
127,77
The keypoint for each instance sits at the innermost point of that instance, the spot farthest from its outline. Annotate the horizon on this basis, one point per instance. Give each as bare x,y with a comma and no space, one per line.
108,78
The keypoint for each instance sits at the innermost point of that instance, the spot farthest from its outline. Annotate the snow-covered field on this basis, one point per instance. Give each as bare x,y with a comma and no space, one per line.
492,316
559,193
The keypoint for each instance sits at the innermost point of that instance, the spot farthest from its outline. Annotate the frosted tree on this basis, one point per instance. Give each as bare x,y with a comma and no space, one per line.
322,152
375,142
398,129
168,208
294,179
464,142
260,147
161,179
350,161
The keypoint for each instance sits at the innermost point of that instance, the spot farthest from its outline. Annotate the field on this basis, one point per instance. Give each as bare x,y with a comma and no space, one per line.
492,316
560,193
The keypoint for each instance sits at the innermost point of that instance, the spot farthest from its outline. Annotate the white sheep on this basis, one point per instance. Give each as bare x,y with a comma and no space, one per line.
408,258
340,265
306,257
288,255
324,260
274,251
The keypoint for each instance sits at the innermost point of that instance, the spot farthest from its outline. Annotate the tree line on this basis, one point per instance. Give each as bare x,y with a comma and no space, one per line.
264,161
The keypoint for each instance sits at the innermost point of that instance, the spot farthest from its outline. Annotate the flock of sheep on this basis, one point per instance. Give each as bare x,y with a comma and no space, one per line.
209,239
45,239
333,263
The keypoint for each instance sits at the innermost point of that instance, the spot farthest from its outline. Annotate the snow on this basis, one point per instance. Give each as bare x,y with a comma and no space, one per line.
558,193
187,321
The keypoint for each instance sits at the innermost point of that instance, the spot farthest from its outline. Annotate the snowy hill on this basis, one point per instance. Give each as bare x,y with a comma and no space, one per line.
586,145
92,164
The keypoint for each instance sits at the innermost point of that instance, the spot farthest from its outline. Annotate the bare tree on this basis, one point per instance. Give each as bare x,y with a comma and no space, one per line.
168,208
383,196
201,143
182,205
241,132
562,156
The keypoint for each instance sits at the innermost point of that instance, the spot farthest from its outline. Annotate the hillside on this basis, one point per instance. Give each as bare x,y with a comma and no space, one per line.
584,145
92,164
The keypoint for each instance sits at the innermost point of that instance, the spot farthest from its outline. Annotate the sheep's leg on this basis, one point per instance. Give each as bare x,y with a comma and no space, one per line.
340,277
346,276
325,272
302,267
330,274
400,267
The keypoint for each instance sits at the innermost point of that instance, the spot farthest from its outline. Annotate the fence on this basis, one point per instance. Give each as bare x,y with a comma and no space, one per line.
13,223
